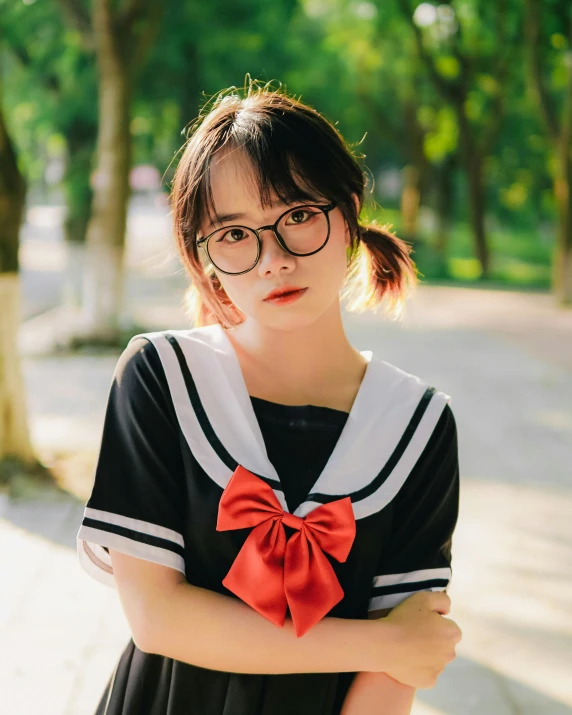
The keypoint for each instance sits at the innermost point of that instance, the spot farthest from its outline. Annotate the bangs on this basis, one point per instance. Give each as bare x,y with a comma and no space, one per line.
292,159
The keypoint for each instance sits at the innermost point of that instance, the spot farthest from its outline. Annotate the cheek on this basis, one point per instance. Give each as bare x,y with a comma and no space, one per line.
238,288
325,272
339,234
331,261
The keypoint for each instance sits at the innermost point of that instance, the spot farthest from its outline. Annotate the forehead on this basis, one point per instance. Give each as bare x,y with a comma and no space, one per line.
250,190
233,183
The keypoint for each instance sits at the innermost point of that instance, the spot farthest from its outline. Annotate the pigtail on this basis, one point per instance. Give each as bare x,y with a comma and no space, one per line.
380,270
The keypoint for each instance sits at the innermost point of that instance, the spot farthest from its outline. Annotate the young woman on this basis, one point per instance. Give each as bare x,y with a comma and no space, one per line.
275,507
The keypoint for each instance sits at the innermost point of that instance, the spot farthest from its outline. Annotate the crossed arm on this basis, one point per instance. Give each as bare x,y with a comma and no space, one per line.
163,610
378,693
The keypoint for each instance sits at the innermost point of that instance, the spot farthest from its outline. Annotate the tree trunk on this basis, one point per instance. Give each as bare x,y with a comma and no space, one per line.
78,194
81,140
563,256
103,276
473,165
410,198
444,206
562,264
559,131
190,101
415,171
14,434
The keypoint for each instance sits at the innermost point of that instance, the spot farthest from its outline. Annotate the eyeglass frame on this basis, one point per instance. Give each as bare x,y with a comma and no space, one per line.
274,228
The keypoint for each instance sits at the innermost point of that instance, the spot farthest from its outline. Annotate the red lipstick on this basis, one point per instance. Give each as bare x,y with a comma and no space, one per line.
284,294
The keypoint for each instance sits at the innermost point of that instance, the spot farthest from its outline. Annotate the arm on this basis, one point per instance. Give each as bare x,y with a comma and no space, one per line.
378,693
173,618
418,553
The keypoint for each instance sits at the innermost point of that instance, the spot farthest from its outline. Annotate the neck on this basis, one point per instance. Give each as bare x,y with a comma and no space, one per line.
307,360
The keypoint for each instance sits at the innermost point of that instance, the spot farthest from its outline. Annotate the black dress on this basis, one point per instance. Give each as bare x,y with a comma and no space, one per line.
179,421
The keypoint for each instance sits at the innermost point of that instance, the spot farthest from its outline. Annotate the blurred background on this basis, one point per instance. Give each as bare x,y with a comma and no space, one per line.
462,115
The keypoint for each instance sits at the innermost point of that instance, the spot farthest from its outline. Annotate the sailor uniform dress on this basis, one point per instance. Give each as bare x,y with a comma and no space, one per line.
197,475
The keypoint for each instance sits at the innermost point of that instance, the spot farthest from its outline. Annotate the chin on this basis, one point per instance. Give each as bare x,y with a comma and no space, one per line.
287,319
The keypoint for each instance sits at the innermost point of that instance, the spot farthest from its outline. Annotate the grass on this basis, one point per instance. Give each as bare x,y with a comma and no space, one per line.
519,258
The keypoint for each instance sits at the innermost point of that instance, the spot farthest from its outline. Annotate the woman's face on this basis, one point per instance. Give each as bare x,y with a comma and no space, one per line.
321,274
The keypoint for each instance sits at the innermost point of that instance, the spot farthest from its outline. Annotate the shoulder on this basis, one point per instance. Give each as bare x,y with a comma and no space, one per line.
139,379
156,359
407,378
448,421
436,470
160,344
408,387
444,435
440,457
138,361
141,411
425,407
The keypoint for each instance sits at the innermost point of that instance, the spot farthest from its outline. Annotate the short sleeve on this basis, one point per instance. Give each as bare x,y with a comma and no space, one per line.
418,555
138,495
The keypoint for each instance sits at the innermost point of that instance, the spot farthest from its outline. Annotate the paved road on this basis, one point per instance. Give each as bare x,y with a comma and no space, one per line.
504,359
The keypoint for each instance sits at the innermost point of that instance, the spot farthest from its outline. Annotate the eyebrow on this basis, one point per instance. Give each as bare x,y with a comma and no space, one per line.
223,218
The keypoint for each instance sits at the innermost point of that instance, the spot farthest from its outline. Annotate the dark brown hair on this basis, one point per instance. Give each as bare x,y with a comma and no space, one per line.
296,153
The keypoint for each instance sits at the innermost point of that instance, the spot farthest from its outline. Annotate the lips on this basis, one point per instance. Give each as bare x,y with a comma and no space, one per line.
282,292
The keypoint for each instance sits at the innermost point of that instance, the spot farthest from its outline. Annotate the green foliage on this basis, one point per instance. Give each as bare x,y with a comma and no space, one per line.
441,132
357,63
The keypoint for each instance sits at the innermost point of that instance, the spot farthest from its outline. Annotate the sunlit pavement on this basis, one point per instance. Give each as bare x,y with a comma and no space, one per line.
506,361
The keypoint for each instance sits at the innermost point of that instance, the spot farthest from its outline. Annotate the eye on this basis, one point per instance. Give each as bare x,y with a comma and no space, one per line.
233,235
300,216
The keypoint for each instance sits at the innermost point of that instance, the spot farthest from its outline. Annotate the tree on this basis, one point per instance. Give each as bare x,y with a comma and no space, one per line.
468,54
122,37
14,434
54,71
550,71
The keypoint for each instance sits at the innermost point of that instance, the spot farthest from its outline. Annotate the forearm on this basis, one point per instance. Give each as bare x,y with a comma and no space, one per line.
378,694
219,632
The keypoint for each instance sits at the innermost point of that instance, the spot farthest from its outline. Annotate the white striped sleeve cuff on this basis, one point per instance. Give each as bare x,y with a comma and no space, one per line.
391,589
134,537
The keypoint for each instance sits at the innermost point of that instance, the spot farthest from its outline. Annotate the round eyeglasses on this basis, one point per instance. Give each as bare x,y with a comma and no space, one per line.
300,231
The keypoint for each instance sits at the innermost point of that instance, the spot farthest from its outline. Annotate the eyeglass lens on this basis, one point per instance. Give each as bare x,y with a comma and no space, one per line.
234,248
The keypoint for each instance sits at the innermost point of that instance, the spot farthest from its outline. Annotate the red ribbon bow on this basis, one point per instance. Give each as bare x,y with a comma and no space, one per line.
270,572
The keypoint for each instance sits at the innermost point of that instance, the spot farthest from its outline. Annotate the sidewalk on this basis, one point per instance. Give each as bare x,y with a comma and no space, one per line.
506,360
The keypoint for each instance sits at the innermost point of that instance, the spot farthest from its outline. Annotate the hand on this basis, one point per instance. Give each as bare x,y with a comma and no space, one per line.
423,640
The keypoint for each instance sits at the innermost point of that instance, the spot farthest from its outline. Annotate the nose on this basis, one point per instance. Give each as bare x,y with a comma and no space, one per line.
273,258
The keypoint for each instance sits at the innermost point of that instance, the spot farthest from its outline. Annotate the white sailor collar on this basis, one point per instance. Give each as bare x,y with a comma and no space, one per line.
389,424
